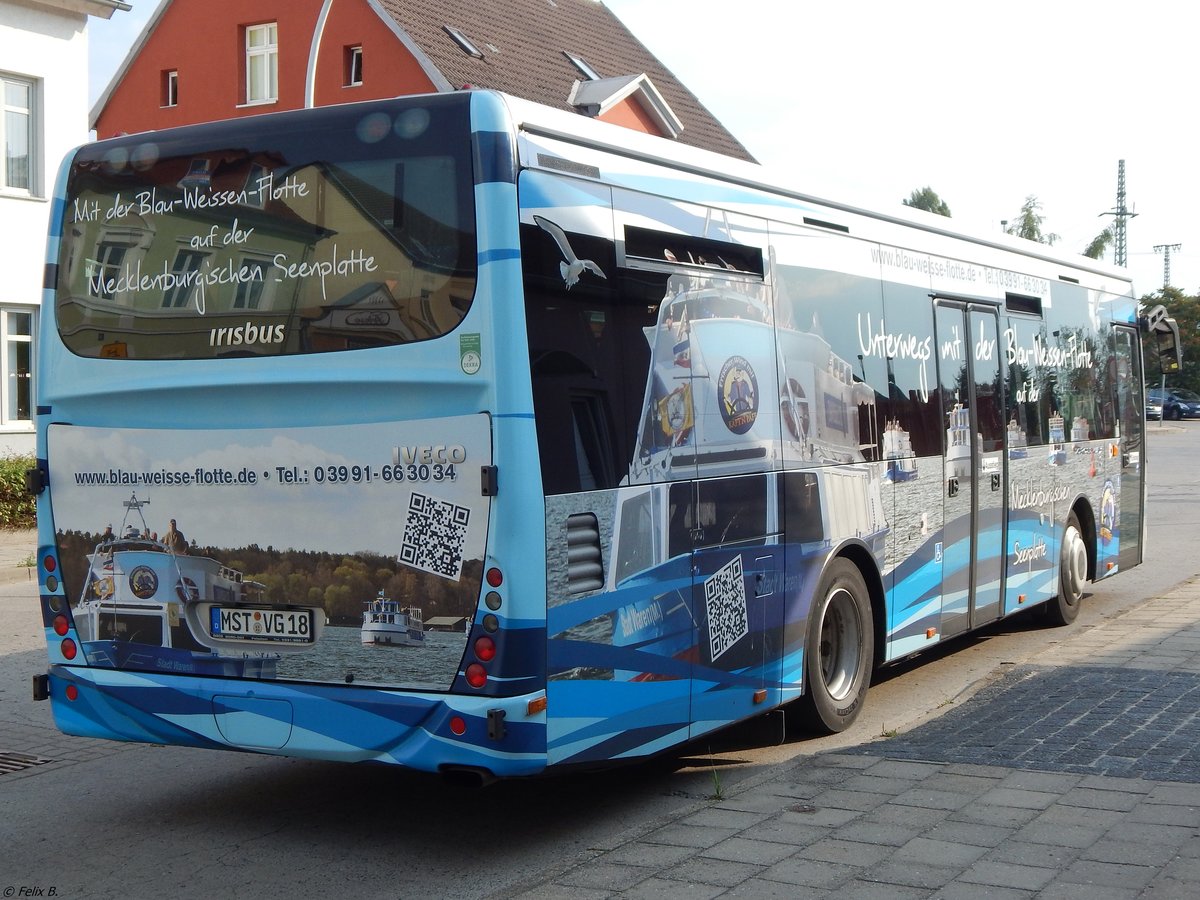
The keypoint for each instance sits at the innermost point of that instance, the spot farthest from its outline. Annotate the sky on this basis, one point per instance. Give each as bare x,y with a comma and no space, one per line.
865,101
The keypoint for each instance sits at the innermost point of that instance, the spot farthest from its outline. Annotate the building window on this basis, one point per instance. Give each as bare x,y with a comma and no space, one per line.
16,333
184,272
463,42
170,88
262,63
105,269
17,135
249,292
582,65
354,63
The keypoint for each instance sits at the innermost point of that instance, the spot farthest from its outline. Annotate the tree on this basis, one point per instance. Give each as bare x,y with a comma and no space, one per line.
927,199
1028,223
1185,309
1095,250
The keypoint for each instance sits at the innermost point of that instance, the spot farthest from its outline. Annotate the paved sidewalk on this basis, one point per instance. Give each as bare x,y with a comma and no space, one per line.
18,552
1075,776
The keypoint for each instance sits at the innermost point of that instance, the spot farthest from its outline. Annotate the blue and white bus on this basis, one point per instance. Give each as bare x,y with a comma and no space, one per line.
463,434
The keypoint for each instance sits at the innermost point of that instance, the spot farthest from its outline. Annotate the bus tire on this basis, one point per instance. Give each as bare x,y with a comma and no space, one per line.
839,652
1072,575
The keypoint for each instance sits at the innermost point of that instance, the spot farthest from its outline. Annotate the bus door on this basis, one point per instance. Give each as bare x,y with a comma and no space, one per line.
1130,408
737,598
974,488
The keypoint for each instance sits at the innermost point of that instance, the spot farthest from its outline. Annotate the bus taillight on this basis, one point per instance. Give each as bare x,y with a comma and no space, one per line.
50,563
476,675
61,625
485,649
68,648
495,577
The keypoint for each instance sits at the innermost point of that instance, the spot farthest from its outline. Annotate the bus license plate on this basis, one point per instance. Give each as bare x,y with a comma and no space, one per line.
293,626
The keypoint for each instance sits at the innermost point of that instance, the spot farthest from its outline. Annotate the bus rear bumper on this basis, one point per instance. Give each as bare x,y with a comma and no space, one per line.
315,721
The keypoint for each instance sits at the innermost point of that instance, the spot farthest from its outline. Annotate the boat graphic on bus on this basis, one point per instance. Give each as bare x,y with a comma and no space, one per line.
147,605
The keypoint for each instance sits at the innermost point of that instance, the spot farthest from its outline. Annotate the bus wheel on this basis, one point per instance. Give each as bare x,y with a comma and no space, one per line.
838,653
1072,575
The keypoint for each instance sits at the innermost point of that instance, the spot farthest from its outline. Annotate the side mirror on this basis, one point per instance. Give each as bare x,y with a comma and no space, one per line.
1166,337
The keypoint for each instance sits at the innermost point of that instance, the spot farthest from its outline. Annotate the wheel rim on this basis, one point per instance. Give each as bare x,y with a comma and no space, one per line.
840,640
1074,565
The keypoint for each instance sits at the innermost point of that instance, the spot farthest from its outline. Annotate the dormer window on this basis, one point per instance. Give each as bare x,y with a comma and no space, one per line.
463,42
582,65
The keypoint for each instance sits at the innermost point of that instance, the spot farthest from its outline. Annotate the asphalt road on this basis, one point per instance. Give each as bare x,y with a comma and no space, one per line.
129,821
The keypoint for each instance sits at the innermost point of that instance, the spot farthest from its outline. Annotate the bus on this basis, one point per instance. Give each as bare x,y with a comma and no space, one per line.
467,435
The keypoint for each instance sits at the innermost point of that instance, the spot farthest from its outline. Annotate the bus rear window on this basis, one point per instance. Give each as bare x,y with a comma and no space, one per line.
340,228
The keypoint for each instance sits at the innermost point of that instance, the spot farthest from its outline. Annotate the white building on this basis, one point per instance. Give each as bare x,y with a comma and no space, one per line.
44,80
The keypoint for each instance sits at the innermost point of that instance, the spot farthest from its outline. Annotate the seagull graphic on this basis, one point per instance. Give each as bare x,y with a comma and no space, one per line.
573,266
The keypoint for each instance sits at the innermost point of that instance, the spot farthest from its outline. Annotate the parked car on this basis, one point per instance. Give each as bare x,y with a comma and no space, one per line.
1176,403
1153,409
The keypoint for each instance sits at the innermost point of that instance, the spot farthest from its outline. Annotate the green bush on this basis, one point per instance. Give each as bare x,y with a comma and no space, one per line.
17,506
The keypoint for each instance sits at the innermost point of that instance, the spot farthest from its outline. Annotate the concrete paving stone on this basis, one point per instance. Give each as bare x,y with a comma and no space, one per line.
603,876
816,774
809,814
1121,785
1157,834
1079,815
932,799
850,760
990,814
1169,889
1022,799
871,784
723,872
745,850
851,853
906,874
1058,834
761,889
563,892
666,889
790,834
757,801
922,850
723,817
810,873
1044,856
1097,872
838,798
974,785
1112,850
890,835
1165,814
1039,781
859,889
689,835
1175,794
650,856
896,768
1183,869
961,890
1065,890
976,770
909,816
970,833
1007,875
1090,798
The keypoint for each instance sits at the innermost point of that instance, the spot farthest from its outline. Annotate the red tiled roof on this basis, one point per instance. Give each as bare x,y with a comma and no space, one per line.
523,42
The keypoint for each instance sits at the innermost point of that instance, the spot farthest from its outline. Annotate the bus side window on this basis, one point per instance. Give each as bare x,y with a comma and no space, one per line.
801,508
732,510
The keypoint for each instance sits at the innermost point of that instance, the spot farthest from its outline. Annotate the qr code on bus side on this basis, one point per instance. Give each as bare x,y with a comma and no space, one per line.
725,599
434,534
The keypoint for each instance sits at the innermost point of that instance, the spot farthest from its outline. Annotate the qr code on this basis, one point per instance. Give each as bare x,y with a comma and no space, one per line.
434,534
725,599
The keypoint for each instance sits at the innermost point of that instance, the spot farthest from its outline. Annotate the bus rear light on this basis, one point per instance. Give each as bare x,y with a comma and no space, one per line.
72,692
492,600
458,725
51,583
491,624
68,648
495,577
61,625
50,563
485,649
535,706
476,675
